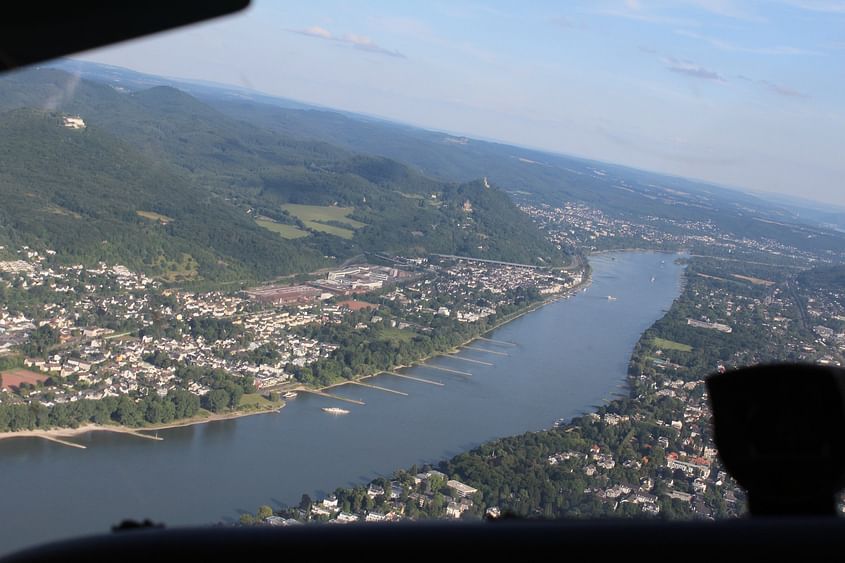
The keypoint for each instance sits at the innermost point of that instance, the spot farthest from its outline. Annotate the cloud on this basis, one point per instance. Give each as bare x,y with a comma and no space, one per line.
642,16
359,42
825,6
691,69
367,44
723,45
316,31
783,90
655,12
728,9
774,87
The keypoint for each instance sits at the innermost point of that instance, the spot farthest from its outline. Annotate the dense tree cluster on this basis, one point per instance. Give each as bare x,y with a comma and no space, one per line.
212,329
225,394
39,341
152,409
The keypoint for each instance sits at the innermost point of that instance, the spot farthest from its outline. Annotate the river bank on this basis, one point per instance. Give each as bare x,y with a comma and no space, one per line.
60,435
572,354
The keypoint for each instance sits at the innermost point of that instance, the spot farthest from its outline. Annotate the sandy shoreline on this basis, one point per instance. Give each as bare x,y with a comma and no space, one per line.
60,435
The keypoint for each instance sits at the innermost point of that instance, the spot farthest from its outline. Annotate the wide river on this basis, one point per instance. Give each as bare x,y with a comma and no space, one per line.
565,359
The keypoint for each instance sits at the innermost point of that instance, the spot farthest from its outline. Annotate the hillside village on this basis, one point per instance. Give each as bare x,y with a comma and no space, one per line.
105,331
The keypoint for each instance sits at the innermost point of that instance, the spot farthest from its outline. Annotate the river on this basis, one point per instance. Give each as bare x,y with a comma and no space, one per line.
565,359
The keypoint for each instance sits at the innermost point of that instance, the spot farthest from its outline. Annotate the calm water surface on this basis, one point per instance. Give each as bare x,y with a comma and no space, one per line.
567,358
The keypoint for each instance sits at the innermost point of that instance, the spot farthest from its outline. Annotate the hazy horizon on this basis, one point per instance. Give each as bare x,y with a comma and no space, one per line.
609,81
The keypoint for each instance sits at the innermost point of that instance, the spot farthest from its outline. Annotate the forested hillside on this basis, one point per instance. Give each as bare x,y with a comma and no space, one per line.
554,178
162,182
91,197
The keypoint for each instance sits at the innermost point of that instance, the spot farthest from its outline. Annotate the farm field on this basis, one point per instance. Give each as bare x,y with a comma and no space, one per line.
316,217
289,232
396,335
152,216
671,345
753,280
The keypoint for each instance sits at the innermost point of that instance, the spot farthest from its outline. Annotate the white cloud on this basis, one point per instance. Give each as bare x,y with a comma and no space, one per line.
825,6
723,45
642,16
691,69
316,31
360,42
728,9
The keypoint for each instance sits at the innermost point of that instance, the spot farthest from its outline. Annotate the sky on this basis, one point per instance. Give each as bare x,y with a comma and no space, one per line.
744,93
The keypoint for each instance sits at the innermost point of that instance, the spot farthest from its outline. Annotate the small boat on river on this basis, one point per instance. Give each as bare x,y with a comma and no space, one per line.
335,411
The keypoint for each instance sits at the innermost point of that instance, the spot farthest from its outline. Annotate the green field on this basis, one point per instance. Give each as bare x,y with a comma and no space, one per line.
664,344
254,400
286,231
258,402
315,217
396,334
152,216
330,229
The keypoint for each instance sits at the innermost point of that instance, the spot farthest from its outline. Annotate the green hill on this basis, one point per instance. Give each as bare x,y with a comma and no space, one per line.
547,177
167,181
85,194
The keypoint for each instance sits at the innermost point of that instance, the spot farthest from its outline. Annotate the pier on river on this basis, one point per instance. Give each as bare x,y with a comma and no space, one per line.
568,355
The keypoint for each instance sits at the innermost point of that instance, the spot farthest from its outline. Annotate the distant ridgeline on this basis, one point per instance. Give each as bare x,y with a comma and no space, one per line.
551,178
164,183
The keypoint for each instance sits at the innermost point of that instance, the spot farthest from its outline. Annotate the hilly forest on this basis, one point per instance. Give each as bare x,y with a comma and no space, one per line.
166,184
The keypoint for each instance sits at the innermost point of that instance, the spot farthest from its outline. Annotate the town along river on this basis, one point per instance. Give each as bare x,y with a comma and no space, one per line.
566,358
